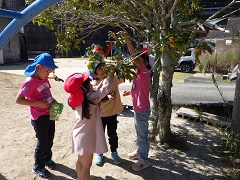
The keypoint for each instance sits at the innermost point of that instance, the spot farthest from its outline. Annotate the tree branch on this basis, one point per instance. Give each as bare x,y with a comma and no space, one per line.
172,9
221,10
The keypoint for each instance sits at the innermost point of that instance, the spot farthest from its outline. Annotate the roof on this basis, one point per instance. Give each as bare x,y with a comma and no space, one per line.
213,22
232,29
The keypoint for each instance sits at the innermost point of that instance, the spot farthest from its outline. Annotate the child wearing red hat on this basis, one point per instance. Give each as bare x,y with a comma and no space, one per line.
88,135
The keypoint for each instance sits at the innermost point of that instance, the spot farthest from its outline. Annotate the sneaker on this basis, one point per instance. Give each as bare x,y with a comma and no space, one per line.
141,164
51,164
134,155
99,159
42,172
116,158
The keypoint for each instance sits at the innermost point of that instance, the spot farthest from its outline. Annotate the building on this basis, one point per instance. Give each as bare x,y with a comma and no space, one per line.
12,51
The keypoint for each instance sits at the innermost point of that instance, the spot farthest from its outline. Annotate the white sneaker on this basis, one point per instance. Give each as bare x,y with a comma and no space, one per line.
134,155
99,159
141,164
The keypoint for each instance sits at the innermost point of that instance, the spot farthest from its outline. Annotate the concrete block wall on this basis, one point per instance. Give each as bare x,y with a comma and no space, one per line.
11,50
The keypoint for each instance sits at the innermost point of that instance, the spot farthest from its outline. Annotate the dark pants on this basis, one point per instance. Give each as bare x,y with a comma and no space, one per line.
111,123
45,130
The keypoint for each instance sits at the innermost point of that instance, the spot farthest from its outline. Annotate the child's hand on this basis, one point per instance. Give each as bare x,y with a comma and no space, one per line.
126,93
123,34
110,97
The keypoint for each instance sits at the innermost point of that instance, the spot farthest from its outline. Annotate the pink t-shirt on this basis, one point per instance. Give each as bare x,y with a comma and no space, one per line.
140,89
36,90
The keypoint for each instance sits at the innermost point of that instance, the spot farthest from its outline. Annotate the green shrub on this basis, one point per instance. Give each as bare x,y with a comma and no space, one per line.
223,62
206,62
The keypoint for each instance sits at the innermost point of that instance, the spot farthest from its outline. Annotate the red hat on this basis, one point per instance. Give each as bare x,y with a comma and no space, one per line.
145,50
73,85
97,49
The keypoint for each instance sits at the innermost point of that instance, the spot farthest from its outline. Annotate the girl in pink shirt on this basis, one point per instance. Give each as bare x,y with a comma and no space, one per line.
141,106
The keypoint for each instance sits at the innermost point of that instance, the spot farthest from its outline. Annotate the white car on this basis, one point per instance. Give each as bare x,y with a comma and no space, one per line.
187,62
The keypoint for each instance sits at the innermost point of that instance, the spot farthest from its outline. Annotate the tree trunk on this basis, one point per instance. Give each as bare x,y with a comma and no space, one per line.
235,125
165,103
155,101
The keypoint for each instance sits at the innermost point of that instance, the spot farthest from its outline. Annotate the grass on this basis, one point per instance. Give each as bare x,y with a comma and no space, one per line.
179,76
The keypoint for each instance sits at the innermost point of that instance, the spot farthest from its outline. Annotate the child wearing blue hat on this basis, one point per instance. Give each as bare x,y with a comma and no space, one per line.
35,93
110,107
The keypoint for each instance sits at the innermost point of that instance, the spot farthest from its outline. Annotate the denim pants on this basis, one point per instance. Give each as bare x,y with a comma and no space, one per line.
111,123
141,126
45,130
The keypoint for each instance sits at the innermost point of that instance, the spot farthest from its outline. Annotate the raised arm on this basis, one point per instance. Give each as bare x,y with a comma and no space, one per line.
138,61
104,88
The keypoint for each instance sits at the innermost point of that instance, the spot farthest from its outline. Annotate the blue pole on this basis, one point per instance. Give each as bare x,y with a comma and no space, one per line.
10,14
28,14
121,52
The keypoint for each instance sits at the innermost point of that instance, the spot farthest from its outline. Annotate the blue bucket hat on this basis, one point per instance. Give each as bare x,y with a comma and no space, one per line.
96,65
44,59
91,74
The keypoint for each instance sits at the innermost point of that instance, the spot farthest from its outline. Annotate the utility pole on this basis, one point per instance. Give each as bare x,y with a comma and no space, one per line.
235,125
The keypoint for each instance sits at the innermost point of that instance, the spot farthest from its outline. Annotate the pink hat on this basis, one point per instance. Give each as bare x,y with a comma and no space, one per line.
73,85
145,50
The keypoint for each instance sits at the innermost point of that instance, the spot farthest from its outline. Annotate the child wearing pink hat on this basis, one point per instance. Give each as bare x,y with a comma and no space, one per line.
88,135
140,93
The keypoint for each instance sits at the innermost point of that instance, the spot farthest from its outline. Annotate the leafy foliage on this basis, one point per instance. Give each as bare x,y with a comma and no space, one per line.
230,147
178,42
72,21
192,6
124,67
203,47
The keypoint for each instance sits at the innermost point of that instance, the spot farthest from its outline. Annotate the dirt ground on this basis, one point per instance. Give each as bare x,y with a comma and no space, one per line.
17,142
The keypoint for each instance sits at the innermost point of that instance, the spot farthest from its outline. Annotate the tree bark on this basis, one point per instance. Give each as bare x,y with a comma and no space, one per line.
235,125
154,100
165,109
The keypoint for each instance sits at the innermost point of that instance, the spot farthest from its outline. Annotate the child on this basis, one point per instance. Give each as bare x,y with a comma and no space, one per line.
141,106
88,134
110,106
35,92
